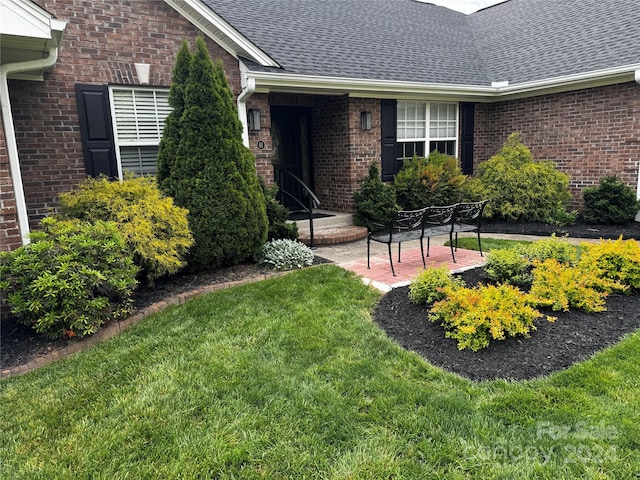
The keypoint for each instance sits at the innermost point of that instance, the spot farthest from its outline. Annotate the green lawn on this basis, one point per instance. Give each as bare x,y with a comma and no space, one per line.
289,378
488,244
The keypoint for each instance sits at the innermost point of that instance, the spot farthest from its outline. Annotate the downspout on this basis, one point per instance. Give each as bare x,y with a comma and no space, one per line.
10,133
637,79
248,90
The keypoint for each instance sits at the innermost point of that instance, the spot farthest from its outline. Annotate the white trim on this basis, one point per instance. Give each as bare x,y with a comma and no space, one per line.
10,135
220,31
52,43
373,88
119,143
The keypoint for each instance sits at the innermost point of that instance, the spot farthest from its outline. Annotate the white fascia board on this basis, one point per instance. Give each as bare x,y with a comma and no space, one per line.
277,81
220,31
24,18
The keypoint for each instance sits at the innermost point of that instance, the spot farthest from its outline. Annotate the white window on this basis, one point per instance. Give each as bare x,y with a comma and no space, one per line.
138,121
414,138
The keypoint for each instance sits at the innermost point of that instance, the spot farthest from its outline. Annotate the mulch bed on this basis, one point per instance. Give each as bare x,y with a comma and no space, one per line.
574,337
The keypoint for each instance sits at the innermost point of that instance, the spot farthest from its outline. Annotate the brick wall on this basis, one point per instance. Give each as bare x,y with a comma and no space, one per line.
101,43
9,230
588,133
330,145
342,151
262,138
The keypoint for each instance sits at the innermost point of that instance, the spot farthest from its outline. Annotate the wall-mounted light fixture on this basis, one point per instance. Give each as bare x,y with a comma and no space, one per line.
365,120
254,119
143,70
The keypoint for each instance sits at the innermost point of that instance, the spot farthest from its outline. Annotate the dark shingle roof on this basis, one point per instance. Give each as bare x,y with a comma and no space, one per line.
405,40
526,40
400,40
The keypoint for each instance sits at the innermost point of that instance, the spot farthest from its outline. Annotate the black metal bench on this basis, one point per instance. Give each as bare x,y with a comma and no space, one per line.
467,218
408,225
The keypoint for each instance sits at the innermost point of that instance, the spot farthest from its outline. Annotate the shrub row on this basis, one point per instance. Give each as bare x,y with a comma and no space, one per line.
518,188
561,277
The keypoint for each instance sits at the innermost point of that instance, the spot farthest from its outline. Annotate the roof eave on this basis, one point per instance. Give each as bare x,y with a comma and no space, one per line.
373,88
220,31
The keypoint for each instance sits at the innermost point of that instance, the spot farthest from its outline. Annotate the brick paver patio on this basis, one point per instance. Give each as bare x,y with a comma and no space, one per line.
380,272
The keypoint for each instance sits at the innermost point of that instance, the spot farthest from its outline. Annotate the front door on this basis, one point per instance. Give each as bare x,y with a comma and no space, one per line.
291,136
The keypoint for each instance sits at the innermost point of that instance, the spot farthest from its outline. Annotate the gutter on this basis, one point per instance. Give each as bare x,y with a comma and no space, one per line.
10,134
497,91
247,91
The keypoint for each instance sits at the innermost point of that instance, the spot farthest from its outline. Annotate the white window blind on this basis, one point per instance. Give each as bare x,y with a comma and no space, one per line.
138,117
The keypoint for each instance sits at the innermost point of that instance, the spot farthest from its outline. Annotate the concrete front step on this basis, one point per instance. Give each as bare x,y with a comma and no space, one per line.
333,235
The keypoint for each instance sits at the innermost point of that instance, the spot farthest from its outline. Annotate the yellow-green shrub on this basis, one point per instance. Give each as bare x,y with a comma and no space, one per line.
474,316
427,286
554,247
519,188
617,260
154,229
562,287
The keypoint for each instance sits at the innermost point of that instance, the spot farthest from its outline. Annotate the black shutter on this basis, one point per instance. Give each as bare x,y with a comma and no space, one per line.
389,116
96,130
467,116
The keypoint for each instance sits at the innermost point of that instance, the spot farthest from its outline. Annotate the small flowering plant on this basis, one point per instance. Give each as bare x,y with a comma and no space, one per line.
285,254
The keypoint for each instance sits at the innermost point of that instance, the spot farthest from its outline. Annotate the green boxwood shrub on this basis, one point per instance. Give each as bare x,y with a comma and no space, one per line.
610,202
426,287
155,231
507,265
285,254
375,202
70,279
277,215
519,188
435,180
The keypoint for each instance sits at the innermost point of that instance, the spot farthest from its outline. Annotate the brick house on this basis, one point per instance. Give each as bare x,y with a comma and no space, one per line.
323,88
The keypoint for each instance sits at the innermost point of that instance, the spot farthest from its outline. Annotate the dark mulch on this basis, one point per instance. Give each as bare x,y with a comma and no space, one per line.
574,337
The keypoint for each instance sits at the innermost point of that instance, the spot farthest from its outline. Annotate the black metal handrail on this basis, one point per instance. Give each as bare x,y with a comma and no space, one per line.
313,200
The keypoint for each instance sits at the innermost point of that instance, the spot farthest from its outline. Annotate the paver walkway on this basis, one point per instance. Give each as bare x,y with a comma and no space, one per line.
380,276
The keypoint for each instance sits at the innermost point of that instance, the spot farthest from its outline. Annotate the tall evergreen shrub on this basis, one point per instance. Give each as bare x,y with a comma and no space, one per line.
213,174
171,135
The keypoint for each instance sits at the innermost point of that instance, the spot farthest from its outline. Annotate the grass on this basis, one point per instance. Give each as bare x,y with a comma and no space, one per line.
488,244
289,378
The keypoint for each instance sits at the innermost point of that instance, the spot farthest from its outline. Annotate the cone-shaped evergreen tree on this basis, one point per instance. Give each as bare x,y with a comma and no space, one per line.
214,174
171,134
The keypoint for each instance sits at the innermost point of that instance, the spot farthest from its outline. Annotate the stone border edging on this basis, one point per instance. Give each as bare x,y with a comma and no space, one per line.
115,328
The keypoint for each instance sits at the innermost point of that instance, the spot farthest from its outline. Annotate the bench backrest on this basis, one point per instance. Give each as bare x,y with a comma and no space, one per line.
470,212
405,220
438,216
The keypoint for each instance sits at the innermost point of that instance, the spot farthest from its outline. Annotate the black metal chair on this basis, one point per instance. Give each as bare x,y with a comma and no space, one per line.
405,225
467,218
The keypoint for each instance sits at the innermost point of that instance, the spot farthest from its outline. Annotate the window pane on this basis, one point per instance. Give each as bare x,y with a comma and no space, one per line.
411,120
443,120
140,160
447,146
